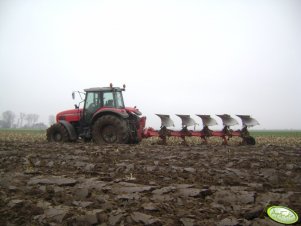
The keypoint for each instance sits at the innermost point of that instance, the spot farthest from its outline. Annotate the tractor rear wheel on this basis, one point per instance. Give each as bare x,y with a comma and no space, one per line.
57,133
110,129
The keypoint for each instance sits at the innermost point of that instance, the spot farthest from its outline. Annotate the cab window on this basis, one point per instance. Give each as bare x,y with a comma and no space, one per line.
108,99
92,104
119,100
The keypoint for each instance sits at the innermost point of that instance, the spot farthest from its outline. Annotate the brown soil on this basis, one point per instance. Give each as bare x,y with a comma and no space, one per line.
85,184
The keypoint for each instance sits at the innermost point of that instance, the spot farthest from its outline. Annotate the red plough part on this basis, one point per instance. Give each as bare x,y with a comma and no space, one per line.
226,133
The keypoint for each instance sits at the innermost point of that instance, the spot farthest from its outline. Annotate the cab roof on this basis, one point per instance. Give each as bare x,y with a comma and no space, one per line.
103,89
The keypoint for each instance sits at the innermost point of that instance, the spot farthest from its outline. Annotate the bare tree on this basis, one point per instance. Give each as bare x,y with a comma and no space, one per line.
51,119
21,119
8,119
35,118
31,120
28,120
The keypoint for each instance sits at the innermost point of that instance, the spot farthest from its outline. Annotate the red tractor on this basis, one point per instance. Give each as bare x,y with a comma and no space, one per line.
104,118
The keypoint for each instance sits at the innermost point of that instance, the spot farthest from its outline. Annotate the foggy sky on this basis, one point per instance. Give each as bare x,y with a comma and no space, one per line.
175,57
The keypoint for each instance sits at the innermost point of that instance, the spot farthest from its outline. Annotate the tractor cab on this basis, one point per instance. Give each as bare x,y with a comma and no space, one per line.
107,98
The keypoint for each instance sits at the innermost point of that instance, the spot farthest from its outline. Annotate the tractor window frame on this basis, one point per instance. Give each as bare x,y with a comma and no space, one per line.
96,99
115,97
108,99
119,103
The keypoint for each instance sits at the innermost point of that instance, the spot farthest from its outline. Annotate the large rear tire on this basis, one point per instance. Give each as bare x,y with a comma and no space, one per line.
57,133
110,129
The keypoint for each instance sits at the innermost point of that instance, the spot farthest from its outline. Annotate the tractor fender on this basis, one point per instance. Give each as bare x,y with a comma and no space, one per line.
122,114
69,127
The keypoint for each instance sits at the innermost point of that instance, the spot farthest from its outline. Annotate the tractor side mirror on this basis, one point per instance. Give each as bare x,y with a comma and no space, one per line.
73,95
76,106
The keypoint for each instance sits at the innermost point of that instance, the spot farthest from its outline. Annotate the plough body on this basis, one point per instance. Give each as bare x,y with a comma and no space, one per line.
226,133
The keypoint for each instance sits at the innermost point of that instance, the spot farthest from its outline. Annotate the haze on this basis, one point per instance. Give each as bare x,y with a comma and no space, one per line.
175,57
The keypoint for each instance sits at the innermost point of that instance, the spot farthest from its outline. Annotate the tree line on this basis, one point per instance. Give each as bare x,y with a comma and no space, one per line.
26,121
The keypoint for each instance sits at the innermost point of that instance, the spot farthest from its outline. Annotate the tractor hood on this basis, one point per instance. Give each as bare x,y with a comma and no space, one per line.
72,115
133,110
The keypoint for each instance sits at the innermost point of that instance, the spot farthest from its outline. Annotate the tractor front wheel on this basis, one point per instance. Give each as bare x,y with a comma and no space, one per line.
110,129
57,133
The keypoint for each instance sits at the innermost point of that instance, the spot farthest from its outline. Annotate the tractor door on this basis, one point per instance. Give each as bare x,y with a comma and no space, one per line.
92,104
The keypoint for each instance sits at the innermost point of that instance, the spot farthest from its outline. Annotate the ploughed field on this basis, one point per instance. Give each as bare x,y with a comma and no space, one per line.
81,183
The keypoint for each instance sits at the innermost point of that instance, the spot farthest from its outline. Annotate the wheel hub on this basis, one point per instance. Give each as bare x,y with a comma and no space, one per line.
57,137
109,134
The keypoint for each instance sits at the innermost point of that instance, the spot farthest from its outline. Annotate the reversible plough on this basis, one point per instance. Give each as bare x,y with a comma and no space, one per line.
226,133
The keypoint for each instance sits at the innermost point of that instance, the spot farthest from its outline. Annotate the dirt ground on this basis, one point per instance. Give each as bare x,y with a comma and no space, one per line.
85,184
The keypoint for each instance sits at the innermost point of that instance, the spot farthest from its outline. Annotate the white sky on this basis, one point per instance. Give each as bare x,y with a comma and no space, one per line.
175,57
